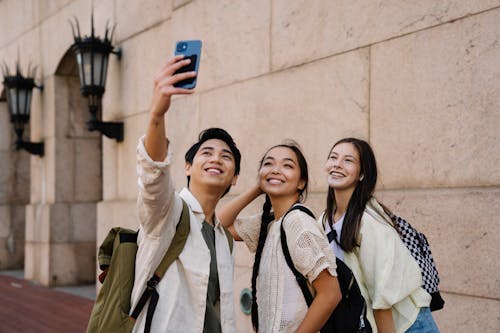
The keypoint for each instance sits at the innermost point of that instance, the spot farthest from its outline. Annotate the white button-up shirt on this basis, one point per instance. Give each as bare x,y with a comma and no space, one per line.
183,289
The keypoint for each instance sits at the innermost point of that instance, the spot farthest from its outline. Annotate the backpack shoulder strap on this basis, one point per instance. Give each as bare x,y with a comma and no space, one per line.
173,252
301,280
300,207
175,248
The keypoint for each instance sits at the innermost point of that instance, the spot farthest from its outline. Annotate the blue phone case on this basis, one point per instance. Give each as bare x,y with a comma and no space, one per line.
191,49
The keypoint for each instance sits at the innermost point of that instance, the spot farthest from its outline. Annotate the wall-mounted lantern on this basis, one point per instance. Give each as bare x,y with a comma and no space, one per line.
92,55
18,91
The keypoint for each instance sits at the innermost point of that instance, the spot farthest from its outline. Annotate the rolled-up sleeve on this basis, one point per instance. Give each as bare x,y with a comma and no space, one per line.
390,272
156,191
308,246
248,228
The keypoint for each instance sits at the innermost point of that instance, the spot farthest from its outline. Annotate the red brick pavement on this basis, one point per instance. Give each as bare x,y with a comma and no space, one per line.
29,308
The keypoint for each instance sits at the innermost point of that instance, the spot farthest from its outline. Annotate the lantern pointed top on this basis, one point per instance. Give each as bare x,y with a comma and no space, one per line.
76,26
5,70
108,33
92,23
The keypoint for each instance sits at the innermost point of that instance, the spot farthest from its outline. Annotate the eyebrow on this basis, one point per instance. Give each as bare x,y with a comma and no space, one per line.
286,159
212,149
348,155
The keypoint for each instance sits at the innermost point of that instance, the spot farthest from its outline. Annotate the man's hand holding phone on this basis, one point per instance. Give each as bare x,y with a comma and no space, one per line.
178,76
165,84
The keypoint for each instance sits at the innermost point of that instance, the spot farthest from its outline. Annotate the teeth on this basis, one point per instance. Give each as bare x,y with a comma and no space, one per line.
274,181
217,171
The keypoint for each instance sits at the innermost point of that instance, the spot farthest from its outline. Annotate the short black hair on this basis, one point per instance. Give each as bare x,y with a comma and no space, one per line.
219,134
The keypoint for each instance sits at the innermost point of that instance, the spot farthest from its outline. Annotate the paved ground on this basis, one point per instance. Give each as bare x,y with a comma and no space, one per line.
28,308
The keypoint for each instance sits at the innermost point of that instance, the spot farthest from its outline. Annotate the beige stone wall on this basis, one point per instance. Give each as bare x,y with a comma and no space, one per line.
419,80
14,195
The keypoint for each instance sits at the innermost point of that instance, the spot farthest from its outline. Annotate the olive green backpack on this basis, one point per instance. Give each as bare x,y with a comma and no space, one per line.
117,252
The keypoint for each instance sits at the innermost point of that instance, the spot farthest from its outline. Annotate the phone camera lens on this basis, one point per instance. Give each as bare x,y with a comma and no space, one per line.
182,47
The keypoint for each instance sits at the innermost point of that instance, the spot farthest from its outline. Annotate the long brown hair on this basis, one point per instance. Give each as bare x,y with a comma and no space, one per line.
362,193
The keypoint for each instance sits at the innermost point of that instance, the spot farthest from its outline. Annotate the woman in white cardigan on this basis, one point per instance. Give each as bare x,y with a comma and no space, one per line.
283,177
363,236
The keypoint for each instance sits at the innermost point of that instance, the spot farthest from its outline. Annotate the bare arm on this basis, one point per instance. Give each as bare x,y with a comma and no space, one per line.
326,299
383,319
155,142
228,213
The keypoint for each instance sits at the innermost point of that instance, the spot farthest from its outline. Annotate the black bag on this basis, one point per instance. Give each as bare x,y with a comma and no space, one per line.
350,314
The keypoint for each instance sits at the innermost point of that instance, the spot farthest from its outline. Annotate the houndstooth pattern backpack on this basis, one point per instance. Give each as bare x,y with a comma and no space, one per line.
419,247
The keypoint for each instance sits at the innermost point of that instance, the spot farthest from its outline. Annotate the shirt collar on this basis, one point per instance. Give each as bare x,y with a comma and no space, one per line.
195,206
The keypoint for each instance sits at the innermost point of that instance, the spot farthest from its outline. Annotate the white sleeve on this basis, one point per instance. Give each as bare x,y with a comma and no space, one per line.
308,246
390,272
156,193
248,228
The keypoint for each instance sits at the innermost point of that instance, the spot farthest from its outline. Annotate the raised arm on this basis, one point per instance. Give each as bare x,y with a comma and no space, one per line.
155,143
227,214
156,191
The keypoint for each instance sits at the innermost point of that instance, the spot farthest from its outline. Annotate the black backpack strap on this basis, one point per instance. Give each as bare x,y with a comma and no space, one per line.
175,248
301,280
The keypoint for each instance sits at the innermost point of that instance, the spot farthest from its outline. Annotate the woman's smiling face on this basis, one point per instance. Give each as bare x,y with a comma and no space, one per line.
279,173
343,167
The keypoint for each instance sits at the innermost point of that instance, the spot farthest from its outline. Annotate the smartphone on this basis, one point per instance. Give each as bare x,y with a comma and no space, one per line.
190,49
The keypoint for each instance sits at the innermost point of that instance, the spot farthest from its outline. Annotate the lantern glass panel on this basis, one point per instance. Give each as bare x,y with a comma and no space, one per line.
96,75
19,101
87,68
27,105
79,61
12,100
100,69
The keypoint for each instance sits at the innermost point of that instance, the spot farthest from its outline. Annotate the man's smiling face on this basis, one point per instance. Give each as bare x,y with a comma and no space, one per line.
213,165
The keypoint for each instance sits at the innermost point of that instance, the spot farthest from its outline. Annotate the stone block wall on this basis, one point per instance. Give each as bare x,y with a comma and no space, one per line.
14,195
418,80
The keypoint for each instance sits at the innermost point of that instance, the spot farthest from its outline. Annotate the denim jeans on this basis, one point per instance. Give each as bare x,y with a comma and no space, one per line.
424,323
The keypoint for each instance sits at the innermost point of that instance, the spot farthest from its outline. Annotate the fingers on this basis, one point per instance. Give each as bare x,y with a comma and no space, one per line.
172,66
164,82
167,76
172,61
170,81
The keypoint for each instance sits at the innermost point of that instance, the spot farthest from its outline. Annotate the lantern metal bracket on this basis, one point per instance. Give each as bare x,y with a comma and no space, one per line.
113,130
117,51
36,148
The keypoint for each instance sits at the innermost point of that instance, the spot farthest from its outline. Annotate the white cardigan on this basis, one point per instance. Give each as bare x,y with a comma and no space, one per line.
282,306
183,289
387,274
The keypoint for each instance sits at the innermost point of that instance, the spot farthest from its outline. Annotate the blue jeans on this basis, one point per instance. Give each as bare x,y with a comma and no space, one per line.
424,323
